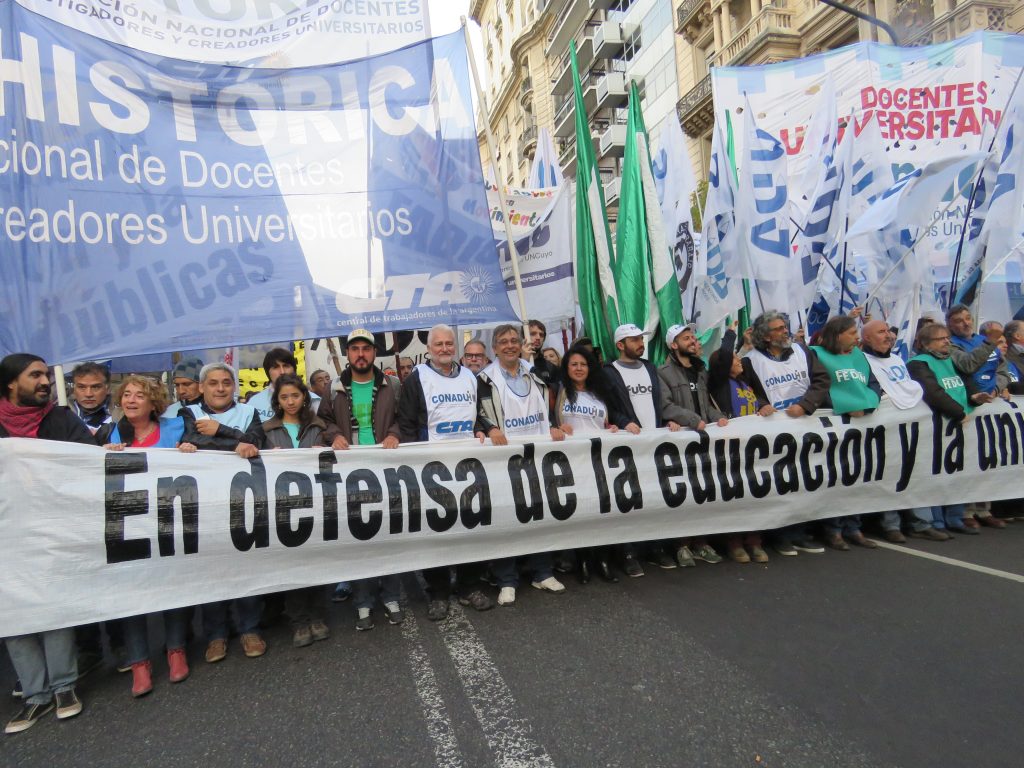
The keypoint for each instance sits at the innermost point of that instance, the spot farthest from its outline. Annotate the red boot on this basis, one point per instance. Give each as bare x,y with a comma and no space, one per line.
178,664
142,678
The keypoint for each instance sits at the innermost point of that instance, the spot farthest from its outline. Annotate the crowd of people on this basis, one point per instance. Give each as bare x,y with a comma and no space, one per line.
526,390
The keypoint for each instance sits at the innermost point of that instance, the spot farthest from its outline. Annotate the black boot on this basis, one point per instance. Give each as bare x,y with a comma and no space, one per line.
584,572
605,572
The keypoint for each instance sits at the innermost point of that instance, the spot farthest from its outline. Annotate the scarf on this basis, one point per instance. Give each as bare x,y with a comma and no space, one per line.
22,420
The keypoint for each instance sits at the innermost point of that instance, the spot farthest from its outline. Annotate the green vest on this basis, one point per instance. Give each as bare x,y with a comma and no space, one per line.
948,379
848,381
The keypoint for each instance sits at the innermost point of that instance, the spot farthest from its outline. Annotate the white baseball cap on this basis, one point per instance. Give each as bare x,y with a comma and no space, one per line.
675,330
628,331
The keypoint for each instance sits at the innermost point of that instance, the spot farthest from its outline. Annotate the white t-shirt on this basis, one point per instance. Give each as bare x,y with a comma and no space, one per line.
641,393
586,416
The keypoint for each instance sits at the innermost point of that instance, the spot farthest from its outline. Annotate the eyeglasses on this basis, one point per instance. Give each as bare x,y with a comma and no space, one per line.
474,356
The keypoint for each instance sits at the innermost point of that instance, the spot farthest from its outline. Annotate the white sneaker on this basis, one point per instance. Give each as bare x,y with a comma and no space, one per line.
550,584
507,596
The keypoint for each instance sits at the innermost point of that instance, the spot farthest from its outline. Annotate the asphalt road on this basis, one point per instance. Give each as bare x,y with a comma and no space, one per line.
865,658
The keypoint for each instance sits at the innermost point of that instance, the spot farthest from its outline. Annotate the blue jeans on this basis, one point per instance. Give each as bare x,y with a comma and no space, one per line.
247,614
838,526
136,633
540,565
920,519
46,663
951,515
364,591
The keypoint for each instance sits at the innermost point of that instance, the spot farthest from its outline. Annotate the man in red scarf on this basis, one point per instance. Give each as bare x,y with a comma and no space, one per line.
45,661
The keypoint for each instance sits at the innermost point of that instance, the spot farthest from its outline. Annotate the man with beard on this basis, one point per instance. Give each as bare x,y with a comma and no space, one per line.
44,661
474,356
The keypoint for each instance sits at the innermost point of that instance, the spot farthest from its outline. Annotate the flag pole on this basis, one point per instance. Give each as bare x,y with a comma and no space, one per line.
512,252
62,387
991,271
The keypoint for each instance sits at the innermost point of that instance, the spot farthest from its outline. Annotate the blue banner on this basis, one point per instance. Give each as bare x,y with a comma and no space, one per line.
153,204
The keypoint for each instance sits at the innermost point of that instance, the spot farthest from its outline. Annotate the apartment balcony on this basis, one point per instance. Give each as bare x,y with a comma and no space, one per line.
562,83
967,16
526,90
768,37
528,140
696,110
565,123
572,15
612,142
612,191
608,39
567,156
611,90
693,18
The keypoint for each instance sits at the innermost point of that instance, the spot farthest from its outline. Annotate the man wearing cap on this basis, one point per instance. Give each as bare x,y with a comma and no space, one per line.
636,406
276,362
439,403
44,661
185,378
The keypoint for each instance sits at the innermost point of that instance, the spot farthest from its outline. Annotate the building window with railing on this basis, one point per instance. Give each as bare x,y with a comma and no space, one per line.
631,47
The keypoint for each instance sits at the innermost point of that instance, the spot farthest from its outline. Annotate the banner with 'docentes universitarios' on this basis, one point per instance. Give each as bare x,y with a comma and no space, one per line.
87,534
151,204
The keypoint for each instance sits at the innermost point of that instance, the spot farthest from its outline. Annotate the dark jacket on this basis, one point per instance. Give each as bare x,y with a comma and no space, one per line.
337,411
719,387
309,434
548,373
226,438
677,401
620,410
62,425
817,392
412,411
934,395
1017,359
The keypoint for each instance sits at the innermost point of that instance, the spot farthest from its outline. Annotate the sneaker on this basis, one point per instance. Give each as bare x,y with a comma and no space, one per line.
785,549
319,630
895,537
364,621
707,554
88,661
931,534
739,555
551,584
507,596
121,663
478,600
27,717
660,559
68,704
18,693
759,555
302,637
216,651
437,610
253,645
342,592
142,678
177,664
394,613
807,545
632,568
684,557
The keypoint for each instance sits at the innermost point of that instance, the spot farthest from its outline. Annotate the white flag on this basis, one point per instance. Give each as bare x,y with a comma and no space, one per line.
545,171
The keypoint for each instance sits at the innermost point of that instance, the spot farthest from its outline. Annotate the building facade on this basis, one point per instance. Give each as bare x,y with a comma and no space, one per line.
668,47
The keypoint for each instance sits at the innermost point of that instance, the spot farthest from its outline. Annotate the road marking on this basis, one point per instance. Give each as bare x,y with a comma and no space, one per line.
950,561
439,726
507,733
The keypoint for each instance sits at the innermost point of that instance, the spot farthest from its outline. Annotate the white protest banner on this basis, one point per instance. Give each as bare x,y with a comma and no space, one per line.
542,227
280,34
87,534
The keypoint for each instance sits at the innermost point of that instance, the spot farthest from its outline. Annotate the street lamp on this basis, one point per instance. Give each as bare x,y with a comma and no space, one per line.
887,28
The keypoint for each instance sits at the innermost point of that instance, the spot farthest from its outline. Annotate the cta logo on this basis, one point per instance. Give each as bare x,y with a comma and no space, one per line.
454,427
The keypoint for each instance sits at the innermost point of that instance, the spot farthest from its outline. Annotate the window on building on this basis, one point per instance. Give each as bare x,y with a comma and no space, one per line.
631,47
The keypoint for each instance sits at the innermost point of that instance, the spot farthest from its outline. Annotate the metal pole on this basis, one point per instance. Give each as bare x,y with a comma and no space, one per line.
512,252
62,388
866,17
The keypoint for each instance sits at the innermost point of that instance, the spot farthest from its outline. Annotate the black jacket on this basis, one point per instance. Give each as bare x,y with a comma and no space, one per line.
226,438
620,410
61,425
934,395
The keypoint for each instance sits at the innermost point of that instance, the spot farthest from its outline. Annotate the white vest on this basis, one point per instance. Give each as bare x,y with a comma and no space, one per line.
239,416
641,394
587,415
451,403
785,381
522,416
894,378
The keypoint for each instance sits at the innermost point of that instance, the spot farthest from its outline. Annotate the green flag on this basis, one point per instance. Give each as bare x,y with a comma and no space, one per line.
596,284
646,280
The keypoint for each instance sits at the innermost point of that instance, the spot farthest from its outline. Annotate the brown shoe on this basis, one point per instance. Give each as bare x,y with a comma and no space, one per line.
216,650
758,555
836,542
861,541
895,537
971,522
993,522
319,630
253,645
739,555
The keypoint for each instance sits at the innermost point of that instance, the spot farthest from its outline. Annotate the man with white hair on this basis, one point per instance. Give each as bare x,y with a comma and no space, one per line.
438,403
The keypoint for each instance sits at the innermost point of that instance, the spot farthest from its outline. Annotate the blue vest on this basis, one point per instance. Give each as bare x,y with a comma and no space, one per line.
985,377
171,431
238,416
